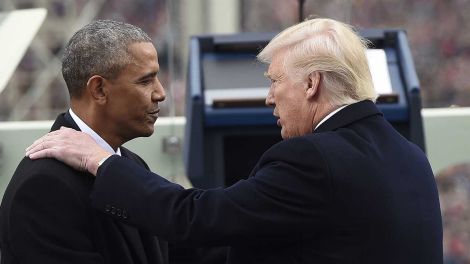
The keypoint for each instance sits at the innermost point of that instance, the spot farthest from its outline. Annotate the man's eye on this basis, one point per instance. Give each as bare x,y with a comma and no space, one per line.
146,81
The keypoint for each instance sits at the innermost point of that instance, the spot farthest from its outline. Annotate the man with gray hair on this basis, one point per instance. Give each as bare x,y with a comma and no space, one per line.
342,187
110,69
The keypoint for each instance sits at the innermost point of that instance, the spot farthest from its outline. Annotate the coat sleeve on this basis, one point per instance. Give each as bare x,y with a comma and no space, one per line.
287,195
46,223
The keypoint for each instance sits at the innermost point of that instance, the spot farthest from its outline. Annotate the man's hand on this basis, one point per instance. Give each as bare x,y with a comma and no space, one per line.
72,147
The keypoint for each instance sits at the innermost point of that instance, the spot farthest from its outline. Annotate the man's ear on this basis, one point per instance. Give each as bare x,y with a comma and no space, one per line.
96,87
313,84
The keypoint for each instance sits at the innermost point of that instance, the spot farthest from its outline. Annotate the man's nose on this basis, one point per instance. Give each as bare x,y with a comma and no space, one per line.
270,98
158,94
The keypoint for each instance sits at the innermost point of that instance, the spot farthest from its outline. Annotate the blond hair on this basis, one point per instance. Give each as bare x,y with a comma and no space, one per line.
331,48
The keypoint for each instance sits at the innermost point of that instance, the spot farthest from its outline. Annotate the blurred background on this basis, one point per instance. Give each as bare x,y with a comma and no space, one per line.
437,30
438,34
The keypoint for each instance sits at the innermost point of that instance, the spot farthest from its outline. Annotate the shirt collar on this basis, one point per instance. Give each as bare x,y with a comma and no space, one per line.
86,129
329,115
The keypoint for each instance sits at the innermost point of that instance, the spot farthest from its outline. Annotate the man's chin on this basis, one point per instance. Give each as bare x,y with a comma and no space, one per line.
145,133
148,133
284,134
287,135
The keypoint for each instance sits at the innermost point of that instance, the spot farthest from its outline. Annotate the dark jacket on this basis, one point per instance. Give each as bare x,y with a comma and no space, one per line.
46,217
354,191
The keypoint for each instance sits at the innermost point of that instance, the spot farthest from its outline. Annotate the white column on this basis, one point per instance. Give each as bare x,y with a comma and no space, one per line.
224,16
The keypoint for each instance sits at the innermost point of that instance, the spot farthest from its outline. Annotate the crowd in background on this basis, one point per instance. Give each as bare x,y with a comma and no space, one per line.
438,33
436,30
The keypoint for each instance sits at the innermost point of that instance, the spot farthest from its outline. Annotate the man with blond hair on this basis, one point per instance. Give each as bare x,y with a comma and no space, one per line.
342,187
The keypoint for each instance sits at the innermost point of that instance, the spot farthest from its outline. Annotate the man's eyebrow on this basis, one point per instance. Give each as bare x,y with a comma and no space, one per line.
272,76
148,75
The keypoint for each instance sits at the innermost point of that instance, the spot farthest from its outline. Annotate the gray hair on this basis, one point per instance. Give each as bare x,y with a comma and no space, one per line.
329,47
99,48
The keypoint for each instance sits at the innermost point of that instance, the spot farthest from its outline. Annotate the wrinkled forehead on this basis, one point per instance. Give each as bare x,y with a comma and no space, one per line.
143,59
142,50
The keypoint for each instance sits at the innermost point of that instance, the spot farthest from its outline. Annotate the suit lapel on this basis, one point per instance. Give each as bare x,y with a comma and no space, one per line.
348,115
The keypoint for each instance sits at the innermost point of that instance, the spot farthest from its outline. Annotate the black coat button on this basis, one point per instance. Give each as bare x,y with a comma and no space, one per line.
124,214
118,212
107,208
113,210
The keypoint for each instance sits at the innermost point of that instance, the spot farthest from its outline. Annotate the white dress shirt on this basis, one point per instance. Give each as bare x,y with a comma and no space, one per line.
329,115
86,129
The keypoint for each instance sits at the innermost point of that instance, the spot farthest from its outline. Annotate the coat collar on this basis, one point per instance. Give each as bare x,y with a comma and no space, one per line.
66,120
348,115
